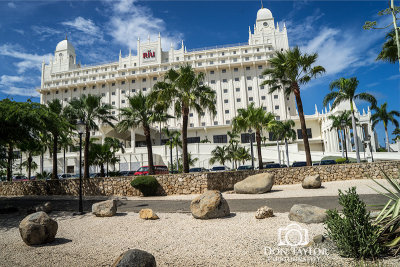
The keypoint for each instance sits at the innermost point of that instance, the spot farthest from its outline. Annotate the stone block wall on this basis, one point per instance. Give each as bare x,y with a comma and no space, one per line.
195,183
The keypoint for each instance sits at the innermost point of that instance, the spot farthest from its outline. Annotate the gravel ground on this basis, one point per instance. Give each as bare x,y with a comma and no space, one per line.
175,240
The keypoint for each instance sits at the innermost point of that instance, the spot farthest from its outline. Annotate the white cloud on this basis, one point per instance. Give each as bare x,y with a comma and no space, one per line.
27,61
11,5
20,91
45,32
84,25
18,85
394,77
130,20
22,32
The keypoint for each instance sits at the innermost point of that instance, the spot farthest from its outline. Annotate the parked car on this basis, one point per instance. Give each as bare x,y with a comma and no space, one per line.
245,168
65,176
127,173
272,166
327,162
19,178
299,164
219,169
200,169
159,169
283,166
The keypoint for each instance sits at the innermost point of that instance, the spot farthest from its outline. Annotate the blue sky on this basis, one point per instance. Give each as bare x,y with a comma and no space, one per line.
30,31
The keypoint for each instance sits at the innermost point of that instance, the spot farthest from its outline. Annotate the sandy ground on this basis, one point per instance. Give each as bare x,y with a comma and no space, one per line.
175,240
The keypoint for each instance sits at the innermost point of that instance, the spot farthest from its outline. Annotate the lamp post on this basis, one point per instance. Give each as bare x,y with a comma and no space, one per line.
80,126
343,123
370,147
251,147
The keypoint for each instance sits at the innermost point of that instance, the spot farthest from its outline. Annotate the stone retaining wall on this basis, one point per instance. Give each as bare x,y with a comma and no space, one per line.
195,183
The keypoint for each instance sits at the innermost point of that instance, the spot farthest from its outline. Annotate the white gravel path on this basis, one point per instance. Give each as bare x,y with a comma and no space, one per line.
175,240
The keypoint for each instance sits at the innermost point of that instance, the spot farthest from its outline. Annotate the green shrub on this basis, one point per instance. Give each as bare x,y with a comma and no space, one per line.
148,185
340,160
353,233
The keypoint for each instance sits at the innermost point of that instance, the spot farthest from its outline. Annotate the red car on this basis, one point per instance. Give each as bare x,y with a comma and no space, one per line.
159,169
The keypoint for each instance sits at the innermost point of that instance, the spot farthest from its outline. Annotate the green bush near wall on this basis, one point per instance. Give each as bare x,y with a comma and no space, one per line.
148,185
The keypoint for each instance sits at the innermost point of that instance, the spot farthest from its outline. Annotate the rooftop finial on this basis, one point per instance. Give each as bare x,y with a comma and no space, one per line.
262,6
66,37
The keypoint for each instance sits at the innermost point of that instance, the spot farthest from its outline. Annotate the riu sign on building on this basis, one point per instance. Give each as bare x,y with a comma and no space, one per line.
149,54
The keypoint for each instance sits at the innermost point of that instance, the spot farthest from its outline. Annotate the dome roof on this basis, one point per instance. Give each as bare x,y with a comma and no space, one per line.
65,45
264,13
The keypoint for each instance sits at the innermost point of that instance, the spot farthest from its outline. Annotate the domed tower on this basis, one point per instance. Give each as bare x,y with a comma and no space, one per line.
64,56
265,20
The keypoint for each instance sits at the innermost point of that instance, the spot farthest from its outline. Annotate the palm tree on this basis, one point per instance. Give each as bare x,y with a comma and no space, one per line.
389,49
396,133
243,154
337,124
90,110
381,114
184,88
113,145
174,140
287,133
192,162
141,112
347,92
253,118
232,147
219,154
59,128
290,69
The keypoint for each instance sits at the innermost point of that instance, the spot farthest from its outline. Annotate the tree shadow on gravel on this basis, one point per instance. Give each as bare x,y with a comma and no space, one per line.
57,241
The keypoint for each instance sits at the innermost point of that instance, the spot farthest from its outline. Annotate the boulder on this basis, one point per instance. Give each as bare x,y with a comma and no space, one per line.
304,213
209,205
106,208
255,184
38,228
135,258
318,239
264,212
46,207
148,214
313,181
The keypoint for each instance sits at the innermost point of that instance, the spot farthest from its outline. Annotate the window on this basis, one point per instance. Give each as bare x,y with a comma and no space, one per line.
177,58
113,84
74,89
133,72
245,51
94,87
224,71
224,80
144,80
258,49
65,99
113,112
236,79
245,137
103,85
249,88
260,76
219,139
212,81
191,140
123,73
154,78
225,91
65,91
133,81
234,52
123,82
263,97
123,91
133,90
223,53
113,103
238,99
287,98
248,78
300,134
56,92
275,96
223,61
262,87
143,71
227,122
84,88
235,69
212,72
276,107
113,93
247,58
226,111
103,94
124,67
203,124
264,108
123,101
144,89
235,60
199,56
247,68
237,89
190,114
215,123
278,118
250,99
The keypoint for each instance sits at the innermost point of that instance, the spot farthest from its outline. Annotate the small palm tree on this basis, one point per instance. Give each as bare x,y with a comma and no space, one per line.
141,113
253,118
343,117
381,114
243,154
219,154
184,88
174,140
287,133
346,91
289,70
91,111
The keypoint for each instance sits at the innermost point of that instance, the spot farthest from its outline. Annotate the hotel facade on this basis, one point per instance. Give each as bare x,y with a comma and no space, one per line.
233,71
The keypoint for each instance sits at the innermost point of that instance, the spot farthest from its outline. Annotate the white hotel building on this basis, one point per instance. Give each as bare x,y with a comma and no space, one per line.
233,71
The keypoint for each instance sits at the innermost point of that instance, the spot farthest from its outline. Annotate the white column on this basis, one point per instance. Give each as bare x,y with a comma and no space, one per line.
133,139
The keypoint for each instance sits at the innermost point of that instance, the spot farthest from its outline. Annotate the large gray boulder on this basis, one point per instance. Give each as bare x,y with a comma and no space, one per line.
135,258
310,182
38,228
255,184
305,213
209,205
106,208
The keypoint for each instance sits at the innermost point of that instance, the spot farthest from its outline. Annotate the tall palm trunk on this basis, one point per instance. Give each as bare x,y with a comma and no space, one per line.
299,103
10,155
387,138
64,171
258,140
146,130
355,136
341,141
55,142
86,156
279,152
177,158
102,173
185,117
287,151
